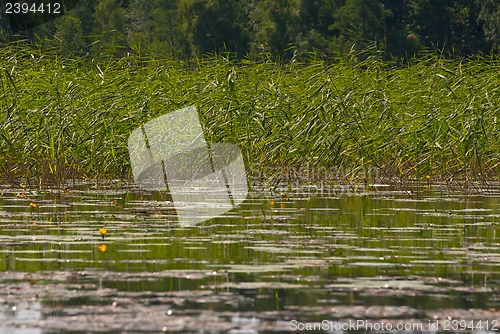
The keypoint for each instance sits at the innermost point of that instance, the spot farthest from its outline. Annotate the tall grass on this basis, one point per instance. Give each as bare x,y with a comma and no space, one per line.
65,118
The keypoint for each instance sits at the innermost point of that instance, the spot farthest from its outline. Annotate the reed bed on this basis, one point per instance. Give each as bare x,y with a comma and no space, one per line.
69,118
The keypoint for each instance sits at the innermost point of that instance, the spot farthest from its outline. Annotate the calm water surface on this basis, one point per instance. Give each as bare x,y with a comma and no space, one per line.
334,260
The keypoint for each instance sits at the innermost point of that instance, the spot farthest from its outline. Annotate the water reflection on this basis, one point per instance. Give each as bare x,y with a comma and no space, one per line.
378,255
20,317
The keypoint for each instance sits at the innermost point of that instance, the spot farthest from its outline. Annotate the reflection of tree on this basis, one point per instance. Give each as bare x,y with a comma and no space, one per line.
10,261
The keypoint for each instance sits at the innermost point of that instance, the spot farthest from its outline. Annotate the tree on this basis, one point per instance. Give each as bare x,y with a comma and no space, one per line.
111,18
84,11
489,16
319,15
317,32
215,25
451,26
167,36
275,24
361,22
431,20
69,34
400,39
139,25
467,35
5,29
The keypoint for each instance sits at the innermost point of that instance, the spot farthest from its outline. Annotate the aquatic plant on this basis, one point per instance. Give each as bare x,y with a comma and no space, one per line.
69,118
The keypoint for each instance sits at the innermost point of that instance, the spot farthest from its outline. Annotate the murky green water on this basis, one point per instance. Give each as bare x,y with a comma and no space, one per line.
334,260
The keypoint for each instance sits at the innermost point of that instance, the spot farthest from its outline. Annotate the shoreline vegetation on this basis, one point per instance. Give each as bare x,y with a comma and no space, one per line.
361,116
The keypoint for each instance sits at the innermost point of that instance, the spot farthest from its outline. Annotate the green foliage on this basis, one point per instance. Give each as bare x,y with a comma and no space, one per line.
275,25
110,17
360,21
69,35
450,26
215,26
70,117
140,25
5,29
186,29
168,38
490,17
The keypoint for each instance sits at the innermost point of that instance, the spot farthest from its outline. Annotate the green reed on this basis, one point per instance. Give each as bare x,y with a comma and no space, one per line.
66,118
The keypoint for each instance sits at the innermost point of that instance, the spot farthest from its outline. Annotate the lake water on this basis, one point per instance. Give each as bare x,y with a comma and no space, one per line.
336,260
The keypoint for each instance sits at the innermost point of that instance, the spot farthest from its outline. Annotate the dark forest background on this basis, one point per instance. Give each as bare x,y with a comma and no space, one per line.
184,29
